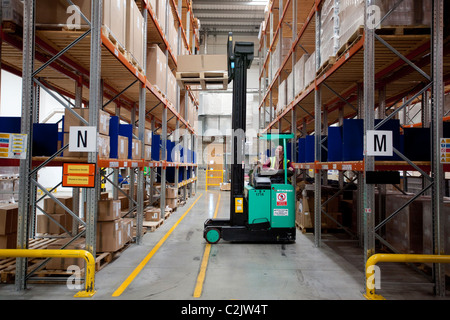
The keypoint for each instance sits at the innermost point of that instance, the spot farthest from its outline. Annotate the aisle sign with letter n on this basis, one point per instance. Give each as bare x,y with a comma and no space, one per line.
379,143
83,139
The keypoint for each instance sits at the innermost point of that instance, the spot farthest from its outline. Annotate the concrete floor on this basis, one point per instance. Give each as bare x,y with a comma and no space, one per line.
298,271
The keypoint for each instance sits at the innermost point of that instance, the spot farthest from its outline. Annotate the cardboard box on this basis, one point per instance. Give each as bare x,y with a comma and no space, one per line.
8,218
8,241
147,135
109,235
137,149
122,148
109,210
64,263
103,121
50,206
202,63
57,12
171,193
104,146
161,14
134,37
70,120
127,229
124,201
156,67
172,88
147,153
114,19
45,225
153,214
171,203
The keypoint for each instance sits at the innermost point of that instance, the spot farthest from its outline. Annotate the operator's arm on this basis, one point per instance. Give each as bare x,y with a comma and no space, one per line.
290,166
266,164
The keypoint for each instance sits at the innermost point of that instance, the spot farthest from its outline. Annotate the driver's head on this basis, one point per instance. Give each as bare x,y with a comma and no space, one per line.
279,152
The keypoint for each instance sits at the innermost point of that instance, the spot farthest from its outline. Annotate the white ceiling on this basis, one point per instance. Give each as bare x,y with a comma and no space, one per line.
238,16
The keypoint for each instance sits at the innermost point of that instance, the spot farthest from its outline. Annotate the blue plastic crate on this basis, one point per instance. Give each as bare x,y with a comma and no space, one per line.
156,147
352,140
45,139
301,150
10,124
334,144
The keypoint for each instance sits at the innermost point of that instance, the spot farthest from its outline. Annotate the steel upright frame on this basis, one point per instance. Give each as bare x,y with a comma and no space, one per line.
363,93
30,110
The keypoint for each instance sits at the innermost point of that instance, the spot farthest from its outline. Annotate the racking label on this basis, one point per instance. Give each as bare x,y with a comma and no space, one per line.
445,150
13,145
79,175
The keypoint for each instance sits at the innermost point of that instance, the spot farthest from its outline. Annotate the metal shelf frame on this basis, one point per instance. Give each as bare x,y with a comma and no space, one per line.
136,103
324,102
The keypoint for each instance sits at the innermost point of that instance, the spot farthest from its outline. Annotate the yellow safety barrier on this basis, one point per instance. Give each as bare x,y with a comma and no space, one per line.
38,253
406,258
214,177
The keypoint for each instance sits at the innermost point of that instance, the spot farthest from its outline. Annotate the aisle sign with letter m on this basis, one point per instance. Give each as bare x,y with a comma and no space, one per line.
379,143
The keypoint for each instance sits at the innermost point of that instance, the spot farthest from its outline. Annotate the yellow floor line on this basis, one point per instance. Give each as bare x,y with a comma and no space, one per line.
201,276
138,269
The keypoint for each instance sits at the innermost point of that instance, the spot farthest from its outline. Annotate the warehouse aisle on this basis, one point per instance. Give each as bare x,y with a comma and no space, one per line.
171,258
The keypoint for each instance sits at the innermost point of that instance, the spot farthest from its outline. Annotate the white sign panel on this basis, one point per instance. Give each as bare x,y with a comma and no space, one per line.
13,145
83,139
379,143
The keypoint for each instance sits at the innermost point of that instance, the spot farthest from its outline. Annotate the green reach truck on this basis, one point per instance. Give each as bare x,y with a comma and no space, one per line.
263,210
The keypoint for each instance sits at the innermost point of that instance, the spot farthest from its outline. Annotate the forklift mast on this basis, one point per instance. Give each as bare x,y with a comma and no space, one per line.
239,61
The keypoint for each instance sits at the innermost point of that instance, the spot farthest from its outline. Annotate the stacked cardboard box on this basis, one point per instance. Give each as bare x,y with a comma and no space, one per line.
110,234
8,226
114,20
45,224
70,120
329,33
161,14
156,67
134,37
147,143
310,69
282,95
171,197
299,74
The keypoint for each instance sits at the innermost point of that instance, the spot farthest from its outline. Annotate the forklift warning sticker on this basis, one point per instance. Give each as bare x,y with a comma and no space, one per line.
281,199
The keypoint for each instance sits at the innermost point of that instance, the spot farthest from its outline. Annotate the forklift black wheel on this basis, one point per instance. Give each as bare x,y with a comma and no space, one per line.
212,235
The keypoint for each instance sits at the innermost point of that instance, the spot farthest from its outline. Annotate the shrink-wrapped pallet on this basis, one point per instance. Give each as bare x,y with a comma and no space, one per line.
310,69
329,31
299,73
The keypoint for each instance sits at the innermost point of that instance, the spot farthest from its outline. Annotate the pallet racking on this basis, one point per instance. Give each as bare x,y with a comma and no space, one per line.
376,69
88,66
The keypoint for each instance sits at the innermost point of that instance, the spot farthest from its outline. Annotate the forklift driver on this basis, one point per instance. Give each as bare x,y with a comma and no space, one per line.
276,163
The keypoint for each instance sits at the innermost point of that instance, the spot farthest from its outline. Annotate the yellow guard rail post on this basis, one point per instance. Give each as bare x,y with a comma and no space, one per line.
406,258
38,253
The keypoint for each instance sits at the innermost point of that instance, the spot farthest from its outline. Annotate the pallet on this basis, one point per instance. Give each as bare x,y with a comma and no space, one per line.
326,65
133,61
153,225
355,37
211,80
107,33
